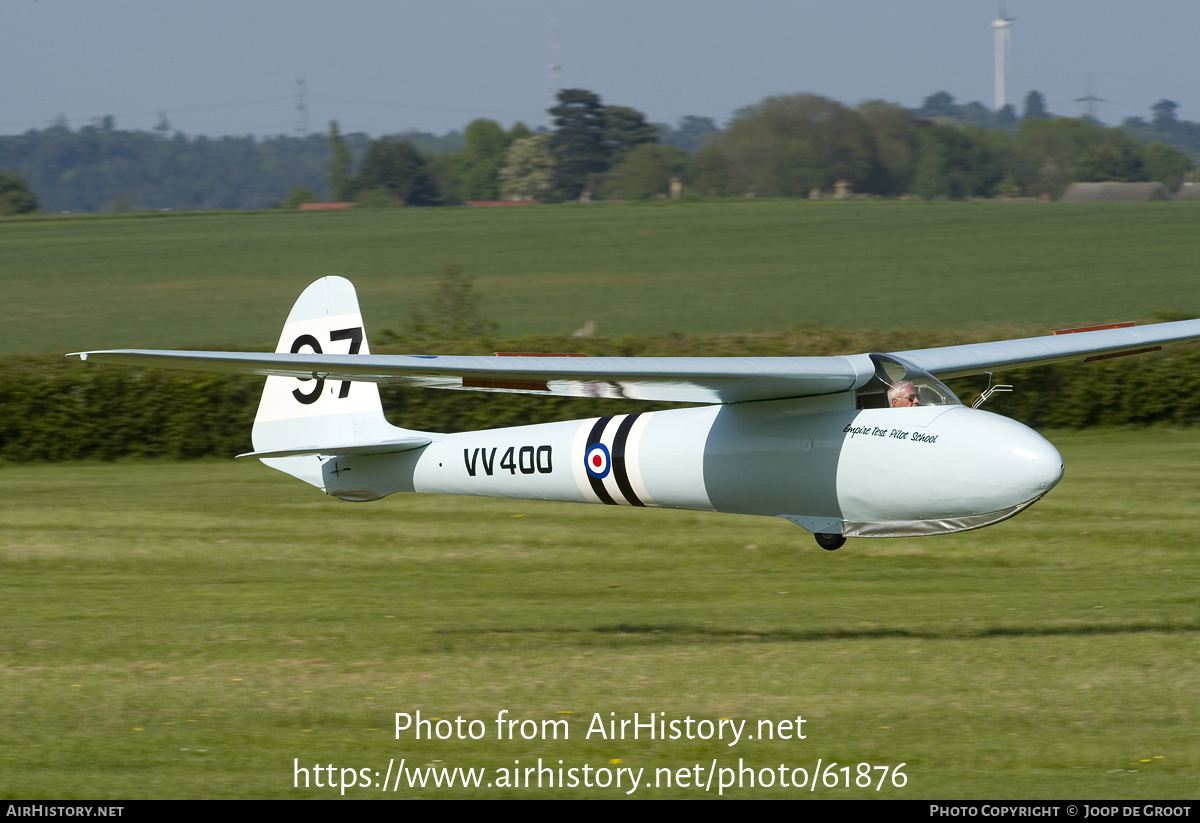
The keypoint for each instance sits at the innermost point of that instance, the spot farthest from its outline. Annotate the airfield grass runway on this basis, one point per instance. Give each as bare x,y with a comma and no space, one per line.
227,279
187,629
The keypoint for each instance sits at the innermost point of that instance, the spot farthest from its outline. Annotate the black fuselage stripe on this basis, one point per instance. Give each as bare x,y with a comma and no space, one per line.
618,460
597,484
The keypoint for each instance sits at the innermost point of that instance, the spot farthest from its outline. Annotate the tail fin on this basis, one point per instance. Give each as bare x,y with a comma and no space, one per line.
299,420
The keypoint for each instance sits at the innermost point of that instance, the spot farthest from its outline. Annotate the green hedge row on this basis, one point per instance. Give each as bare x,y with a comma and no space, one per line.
52,409
1141,390
54,414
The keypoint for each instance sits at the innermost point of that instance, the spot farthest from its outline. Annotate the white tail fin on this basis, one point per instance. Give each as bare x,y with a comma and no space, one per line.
313,417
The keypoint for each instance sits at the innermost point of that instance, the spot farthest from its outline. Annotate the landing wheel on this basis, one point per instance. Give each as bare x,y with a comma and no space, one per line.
830,542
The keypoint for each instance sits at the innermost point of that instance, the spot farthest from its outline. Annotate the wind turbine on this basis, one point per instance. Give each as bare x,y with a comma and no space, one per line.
1002,24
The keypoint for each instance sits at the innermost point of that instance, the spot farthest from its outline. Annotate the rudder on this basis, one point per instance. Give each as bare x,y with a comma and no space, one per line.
315,412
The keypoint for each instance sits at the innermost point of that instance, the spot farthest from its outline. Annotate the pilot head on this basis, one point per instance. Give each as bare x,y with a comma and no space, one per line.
903,394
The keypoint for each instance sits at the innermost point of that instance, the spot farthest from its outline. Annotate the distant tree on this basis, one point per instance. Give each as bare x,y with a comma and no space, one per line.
645,172
395,169
341,185
1004,116
794,144
1164,114
15,195
1048,155
429,144
1165,164
957,163
897,140
711,172
745,113
1181,135
528,172
579,141
87,169
298,195
938,104
452,313
978,115
1035,107
481,160
692,133
1104,163
941,108
443,170
625,129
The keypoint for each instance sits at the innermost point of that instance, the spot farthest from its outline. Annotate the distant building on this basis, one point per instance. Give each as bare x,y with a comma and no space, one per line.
324,206
1188,191
1098,192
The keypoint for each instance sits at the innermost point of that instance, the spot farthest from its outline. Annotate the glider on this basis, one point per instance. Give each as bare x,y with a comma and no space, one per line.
865,445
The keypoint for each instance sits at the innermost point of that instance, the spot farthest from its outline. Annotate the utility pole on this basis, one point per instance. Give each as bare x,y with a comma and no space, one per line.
1091,100
301,125
553,69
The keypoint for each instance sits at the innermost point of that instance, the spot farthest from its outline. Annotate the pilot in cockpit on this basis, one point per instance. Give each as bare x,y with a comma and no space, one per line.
903,394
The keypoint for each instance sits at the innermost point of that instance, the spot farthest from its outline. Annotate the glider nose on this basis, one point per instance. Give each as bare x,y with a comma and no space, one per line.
1020,458
908,466
1048,465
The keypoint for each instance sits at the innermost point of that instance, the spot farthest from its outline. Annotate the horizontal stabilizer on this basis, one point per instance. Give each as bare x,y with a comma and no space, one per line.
382,447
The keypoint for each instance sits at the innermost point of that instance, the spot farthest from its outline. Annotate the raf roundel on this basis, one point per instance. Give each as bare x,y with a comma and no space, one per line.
597,461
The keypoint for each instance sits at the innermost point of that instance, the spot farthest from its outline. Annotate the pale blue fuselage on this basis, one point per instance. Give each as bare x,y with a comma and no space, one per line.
817,461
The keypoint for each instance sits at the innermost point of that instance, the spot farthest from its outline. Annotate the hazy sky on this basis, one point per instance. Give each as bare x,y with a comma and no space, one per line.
230,66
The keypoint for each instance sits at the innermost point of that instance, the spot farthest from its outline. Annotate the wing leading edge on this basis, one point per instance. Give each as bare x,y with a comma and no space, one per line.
676,379
975,358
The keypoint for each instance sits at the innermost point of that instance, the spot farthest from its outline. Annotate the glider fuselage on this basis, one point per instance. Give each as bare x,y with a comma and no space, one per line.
856,445
817,461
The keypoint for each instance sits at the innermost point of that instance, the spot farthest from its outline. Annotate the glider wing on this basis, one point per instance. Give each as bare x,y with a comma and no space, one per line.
676,379
975,358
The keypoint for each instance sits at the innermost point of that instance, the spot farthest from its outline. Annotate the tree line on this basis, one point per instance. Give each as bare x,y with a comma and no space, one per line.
590,153
784,146
100,168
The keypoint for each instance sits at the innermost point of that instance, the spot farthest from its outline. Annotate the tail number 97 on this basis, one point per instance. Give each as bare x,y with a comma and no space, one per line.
354,335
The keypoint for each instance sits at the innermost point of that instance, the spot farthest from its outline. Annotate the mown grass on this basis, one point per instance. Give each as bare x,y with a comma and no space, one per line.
187,629
222,279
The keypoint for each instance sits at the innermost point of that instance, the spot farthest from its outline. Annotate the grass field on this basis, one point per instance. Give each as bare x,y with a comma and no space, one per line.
186,630
228,278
